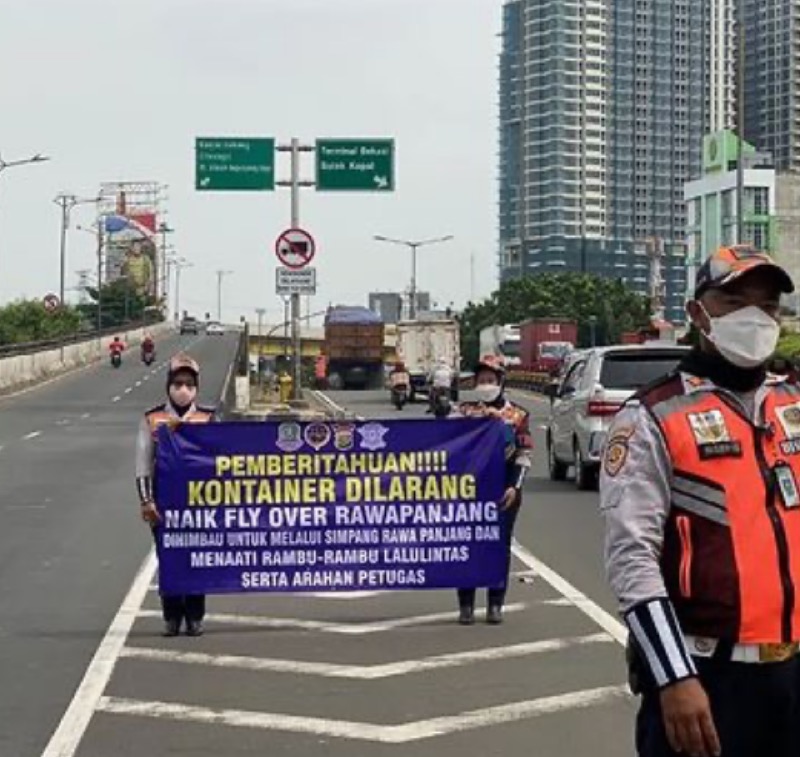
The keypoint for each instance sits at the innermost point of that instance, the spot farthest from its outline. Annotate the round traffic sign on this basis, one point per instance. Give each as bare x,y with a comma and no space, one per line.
51,303
295,248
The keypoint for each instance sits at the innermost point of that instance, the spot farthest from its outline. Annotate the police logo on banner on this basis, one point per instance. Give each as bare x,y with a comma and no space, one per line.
290,437
372,436
317,435
344,436
616,452
712,436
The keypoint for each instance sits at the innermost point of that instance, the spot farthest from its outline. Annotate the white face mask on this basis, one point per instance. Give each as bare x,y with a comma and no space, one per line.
746,337
488,393
182,396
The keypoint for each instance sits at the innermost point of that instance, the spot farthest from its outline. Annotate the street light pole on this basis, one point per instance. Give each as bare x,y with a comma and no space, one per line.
179,263
414,246
260,312
67,202
220,276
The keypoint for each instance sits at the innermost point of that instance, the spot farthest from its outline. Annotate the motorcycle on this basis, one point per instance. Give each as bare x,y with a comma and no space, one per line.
399,396
148,357
116,359
441,404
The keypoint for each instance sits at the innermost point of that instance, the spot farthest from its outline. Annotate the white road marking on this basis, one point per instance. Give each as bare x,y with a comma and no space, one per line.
64,742
129,390
138,383
605,620
365,672
386,734
116,399
353,629
147,377
63,422
86,415
32,435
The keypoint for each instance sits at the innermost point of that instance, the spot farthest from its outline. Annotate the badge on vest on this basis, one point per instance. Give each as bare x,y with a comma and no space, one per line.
712,436
787,486
789,418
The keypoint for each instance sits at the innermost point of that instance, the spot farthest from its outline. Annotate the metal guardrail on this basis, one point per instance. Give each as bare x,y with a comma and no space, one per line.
29,348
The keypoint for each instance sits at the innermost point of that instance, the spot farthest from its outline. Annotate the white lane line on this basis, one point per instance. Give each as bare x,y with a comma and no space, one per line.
63,422
147,377
129,390
386,734
138,383
32,435
353,629
116,399
86,415
64,742
605,620
365,672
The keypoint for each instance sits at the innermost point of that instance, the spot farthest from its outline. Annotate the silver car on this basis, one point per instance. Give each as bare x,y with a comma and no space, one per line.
590,393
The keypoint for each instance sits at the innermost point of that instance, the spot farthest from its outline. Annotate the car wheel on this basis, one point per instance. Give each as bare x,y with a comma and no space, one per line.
558,470
586,474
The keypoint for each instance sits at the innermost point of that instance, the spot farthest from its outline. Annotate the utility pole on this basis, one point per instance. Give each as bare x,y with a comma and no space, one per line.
67,202
260,312
179,263
413,246
220,276
164,229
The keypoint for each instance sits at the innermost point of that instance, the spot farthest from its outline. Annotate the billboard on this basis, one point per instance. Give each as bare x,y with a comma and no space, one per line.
131,251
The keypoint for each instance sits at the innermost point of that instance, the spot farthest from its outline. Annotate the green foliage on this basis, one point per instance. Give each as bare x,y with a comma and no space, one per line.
789,346
572,296
28,321
120,303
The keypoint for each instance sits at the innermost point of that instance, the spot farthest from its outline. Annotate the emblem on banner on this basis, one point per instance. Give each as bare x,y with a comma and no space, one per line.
372,436
317,435
290,437
789,418
344,436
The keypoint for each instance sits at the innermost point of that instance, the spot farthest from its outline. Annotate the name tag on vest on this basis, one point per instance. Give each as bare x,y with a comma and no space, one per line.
713,450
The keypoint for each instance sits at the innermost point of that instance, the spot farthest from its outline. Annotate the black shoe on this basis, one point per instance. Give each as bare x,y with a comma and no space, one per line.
466,615
194,628
494,615
171,628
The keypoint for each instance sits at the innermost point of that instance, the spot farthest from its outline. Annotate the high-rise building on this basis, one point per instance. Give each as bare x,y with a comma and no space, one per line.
720,60
603,106
772,79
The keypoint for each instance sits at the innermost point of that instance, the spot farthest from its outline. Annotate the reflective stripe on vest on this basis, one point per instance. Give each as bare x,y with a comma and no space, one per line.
731,554
160,417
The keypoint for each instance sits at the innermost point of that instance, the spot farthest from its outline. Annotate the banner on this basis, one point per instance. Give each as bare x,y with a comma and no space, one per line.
330,506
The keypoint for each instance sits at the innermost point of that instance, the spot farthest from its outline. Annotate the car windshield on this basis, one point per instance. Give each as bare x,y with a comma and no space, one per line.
511,349
632,370
554,349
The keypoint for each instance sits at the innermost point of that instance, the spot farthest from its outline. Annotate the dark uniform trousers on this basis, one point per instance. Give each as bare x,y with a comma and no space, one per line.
755,708
176,607
496,596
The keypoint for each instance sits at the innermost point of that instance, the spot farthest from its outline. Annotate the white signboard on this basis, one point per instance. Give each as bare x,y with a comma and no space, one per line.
296,281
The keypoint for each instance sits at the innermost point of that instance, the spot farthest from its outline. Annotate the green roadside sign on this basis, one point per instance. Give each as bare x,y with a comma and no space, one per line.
355,165
234,164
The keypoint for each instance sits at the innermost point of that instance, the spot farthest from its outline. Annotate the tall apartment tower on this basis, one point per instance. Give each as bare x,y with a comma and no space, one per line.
720,63
772,79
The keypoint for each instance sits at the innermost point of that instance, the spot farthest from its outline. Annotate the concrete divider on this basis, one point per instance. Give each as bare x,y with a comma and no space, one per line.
19,371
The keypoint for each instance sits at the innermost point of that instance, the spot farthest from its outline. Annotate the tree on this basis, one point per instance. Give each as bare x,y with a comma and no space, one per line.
120,303
571,296
27,321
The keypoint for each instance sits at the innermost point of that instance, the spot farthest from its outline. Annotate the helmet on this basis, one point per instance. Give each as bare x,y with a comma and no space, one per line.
116,338
399,366
492,363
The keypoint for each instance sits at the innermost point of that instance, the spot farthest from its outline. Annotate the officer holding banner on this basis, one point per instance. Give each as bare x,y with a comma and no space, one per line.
182,387
492,402
700,495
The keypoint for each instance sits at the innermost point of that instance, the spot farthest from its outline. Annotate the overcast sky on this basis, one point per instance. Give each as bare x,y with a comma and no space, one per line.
118,91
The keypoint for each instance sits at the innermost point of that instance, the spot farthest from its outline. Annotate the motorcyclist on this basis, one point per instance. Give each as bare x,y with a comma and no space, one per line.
440,382
490,380
399,376
148,346
117,346
181,406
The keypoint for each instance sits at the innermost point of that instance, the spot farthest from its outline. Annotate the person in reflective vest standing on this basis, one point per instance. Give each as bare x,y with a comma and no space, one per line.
699,491
182,386
492,402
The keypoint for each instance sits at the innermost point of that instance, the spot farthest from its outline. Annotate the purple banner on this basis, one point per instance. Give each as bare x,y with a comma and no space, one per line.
330,506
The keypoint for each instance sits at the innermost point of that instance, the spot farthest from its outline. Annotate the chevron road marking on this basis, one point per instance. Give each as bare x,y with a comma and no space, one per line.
353,629
364,672
386,734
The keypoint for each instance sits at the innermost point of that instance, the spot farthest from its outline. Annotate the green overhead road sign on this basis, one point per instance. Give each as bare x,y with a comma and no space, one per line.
235,164
355,165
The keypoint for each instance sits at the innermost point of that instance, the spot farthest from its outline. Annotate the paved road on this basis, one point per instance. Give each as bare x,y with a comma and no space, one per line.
70,542
378,675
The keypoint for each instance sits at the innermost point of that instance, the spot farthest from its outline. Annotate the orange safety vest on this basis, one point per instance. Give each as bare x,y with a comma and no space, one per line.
731,552
160,415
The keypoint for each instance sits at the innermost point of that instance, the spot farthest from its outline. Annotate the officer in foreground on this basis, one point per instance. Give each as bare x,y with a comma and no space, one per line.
489,385
699,491
182,386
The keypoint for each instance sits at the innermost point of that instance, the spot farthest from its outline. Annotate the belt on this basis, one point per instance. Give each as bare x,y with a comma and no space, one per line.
703,646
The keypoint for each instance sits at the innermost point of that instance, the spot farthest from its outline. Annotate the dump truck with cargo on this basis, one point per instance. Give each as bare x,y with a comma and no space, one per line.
421,344
353,348
502,341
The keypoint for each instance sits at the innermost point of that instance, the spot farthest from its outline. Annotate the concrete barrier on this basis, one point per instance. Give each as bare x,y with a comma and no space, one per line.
19,371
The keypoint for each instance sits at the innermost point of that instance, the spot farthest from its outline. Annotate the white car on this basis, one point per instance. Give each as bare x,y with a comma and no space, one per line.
589,395
214,328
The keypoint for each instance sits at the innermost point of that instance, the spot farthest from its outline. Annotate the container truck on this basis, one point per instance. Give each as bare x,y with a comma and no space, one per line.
545,343
421,344
501,341
353,348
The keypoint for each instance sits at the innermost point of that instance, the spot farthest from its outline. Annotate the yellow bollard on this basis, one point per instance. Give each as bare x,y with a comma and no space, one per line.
285,383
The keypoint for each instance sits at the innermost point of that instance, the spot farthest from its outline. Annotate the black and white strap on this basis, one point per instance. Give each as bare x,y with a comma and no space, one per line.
144,486
658,637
